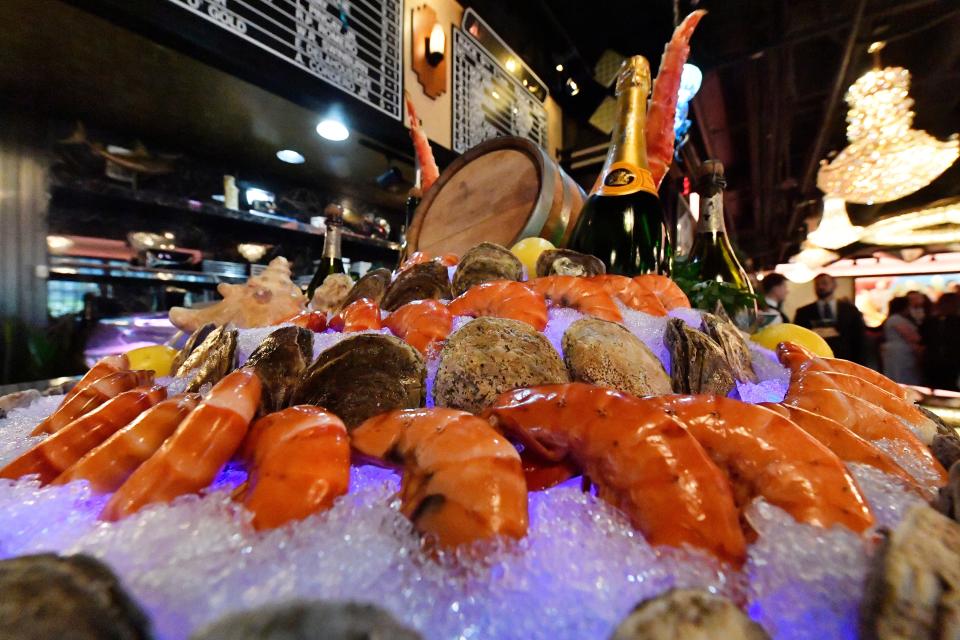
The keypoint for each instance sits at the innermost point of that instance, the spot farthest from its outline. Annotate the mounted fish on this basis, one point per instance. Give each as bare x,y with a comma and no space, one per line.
485,262
264,300
362,376
726,334
425,281
213,358
698,364
280,361
136,161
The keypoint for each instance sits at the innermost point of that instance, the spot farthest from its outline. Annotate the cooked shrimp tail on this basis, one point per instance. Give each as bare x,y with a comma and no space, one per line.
503,299
108,465
299,463
462,481
189,460
583,294
92,396
631,294
421,323
359,315
666,290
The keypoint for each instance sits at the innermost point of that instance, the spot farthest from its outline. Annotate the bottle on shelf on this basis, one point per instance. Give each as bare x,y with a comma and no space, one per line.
410,207
622,222
712,255
332,261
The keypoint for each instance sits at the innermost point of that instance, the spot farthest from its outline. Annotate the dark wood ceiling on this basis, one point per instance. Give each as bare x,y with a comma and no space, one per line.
772,101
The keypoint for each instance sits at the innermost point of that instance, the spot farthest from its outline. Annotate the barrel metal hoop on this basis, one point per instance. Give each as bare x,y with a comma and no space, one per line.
541,210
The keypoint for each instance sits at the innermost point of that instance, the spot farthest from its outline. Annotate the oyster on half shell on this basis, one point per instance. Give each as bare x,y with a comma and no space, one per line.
698,364
280,361
483,263
566,262
688,614
424,281
362,376
726,334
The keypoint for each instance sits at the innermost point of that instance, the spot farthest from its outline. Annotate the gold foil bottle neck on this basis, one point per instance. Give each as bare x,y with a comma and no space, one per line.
634,72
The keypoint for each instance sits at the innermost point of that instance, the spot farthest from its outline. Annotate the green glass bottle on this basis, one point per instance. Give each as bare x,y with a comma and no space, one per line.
331,261
622,222
711,253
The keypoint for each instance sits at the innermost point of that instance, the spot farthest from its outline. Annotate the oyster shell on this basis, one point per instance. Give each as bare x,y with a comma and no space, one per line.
192,342
735,348
948,498
280,361
264,300
331,293
607,354
362,376
76,597
420,282
698,363
688,614
913,586
303,620
488,356
372,286
213,358
566,262
485,262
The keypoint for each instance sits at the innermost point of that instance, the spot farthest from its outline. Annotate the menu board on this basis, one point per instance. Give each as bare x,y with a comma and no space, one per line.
488,101
354,45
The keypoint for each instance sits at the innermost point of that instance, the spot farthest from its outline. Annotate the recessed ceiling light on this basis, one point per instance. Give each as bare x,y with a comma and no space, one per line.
511,65
332,129
290,156
559,67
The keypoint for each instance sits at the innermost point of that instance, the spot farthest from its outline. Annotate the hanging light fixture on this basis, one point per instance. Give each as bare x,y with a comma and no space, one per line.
814,257
936,224
887,158
835,230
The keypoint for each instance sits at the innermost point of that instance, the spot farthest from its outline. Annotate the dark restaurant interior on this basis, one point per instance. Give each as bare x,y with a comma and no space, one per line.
166,166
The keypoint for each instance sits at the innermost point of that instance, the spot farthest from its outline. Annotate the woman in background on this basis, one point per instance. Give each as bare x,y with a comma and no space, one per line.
902,347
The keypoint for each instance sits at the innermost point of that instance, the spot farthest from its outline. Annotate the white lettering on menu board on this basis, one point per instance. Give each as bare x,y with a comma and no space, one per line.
352,44
488,101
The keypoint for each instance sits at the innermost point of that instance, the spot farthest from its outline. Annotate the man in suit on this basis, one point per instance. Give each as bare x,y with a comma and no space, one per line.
774,286
839,322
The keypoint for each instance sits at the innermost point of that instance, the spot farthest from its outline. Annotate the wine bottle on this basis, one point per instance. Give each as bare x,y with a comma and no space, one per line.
712,254
331,262
622,221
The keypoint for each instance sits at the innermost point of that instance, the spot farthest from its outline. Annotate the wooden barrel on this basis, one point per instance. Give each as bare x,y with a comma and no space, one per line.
500,191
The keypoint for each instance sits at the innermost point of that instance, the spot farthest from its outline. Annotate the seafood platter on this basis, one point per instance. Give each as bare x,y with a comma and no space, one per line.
477,446
465,449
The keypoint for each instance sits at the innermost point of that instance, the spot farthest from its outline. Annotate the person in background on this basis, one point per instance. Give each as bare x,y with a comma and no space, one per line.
774,286
940,334
902,347
920,307
839,322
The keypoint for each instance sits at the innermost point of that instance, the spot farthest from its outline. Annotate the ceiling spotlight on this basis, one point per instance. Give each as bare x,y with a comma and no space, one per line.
333,129
559,67
572,86
511,65
290,156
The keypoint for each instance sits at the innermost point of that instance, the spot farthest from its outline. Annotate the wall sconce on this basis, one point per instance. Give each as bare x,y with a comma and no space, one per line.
429,58
436,45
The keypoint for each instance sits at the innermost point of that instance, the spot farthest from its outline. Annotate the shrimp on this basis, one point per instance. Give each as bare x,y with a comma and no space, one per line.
190,458
922,426
108,465
663,105
462,481
643,462
585,295
767,455
92,396
670,295
631,294
421,323
299,462
50,458
503,299
867,420
102,368
799,359
359,315
429,172
419,257
542,474
847,445
316,321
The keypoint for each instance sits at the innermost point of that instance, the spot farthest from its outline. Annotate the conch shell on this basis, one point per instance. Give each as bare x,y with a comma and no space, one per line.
264,300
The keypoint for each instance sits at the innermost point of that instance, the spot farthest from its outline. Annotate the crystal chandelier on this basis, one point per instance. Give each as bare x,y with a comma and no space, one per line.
835,230
886,158
936,224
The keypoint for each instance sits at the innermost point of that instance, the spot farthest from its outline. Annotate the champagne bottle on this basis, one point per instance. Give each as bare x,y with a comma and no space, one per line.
712,253
622,222
331,262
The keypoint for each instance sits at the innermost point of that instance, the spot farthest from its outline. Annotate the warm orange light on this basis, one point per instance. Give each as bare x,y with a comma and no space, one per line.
436,45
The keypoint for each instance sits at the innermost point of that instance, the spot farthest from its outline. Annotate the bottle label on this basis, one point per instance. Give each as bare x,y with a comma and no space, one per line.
331,243
711,214
623,178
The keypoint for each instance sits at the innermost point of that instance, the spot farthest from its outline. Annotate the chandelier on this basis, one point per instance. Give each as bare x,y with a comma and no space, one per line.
936,224
835,230
886,158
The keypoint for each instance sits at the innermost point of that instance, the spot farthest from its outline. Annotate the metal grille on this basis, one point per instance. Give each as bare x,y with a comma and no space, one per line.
607,67
487,101
352,44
